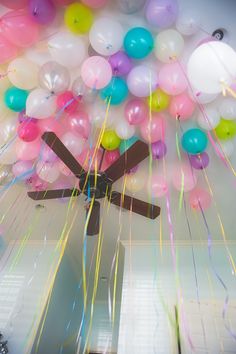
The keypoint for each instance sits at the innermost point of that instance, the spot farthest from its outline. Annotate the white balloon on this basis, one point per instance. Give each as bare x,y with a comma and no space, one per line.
8,129
211,67
48,171
135,182
200,97
169,46
225,148
124,130
106,36
40,104
99,113
73,142
227,108
187,24
209,118
4,81
67,49
8,153
23,73
142,81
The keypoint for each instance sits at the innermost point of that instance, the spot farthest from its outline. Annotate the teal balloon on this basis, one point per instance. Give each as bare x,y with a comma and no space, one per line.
138,43
126,144
194,141
15,99
116,91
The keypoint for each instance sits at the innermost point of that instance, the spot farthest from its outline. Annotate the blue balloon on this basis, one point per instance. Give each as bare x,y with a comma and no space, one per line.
194,141
138,43
116,91
126,144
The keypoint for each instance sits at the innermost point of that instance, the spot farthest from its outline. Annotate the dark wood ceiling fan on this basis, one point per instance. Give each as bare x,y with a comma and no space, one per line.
99,186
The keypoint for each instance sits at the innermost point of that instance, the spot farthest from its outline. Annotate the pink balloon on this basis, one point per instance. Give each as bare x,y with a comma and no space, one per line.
172,79
199,199
46,154
90,158
159,185
136,111
28,131
63,2
50,125
182,107
66,102
7,50
14,4
23,169
96,72
95,4
47,171
153,129
19,29
184,177
27,151
112,156
79,123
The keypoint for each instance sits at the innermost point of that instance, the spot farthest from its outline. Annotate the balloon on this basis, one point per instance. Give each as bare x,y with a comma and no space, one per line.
82,93
106,36
138,43
131,6
211,67
169,46
42,11
158,101
50,125
96,72
79,123
4,82
181,107
27,151
126,144
28,131
121,64
23,169
200,97
124,130
14,4
90,159
225,148
95,4
19,29
133,170
183,177
67,49
15,99
199,162
136,111
199,199
194,141
18,73
162,13
115,92
46,154
73,143
5,175
153,129
187,24
209,118
142,81
8,153
22,117
100,115
7,50
227,108
158,187
66,102
48,171
112,156
8,129
78,18
54,77
172,79
135,181
40,104
226,129
63,2
159,150
110,140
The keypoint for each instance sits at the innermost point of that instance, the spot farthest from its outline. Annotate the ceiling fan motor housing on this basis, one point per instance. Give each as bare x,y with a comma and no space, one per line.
94,185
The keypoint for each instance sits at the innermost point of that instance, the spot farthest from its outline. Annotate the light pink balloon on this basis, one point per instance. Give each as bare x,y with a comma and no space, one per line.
14,4
159,186
28,151
50,125
19,29
47,171
79,123
94,4
199,199
172,79
90,158
7,50
136,111
46,154
183,177
153,129
96,72
23,169
73,142
182,107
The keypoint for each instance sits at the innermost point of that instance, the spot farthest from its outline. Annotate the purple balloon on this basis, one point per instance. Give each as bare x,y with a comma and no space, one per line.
199,162
162,13
42,11
121,64
22,117
133,170
159,150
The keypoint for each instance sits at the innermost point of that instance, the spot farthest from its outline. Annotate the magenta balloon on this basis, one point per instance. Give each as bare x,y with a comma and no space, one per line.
154,129
136,111
8,51
23,169
159,150
28,131
200,162
79,123
42,11
172,79
162,13
112,156
14,4
121,64
199,199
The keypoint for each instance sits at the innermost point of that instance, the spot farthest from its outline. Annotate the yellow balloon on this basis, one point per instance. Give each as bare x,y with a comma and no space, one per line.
158,101
78,18
23,73
110,140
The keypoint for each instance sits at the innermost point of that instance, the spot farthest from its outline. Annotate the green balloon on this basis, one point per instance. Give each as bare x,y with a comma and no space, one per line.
15,99
226,130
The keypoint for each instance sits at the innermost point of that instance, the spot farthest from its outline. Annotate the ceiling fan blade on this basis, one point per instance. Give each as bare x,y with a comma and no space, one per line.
137,206
54,194
94,220
52,140
131,158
